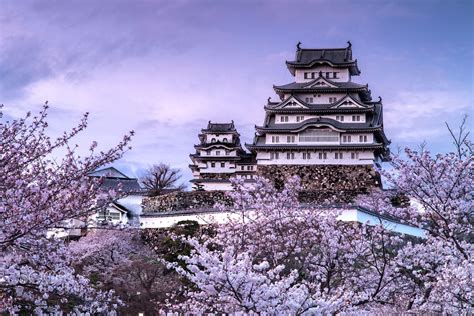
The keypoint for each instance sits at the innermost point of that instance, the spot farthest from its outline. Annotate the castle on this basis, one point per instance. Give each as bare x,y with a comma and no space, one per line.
325,128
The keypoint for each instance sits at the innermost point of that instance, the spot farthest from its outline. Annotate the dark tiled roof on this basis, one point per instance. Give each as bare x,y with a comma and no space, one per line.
220,127
330,106
109,172
303,85
306,58
272,126
214,158
317,109
247,158
127,185
234,145
261,145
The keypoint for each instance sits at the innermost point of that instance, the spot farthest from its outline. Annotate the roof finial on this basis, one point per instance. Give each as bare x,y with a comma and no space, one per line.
380,99
269,99
298,46
349,44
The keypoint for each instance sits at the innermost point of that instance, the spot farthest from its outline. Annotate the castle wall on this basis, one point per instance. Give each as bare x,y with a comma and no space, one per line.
333,183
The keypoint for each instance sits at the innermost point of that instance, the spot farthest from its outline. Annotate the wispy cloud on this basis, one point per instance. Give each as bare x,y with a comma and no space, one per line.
165,68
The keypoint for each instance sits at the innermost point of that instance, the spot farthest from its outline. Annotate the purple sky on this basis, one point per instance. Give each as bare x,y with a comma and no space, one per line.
165,68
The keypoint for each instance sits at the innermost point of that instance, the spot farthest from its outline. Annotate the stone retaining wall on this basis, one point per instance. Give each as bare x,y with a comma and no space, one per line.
184,201
322,178
321,184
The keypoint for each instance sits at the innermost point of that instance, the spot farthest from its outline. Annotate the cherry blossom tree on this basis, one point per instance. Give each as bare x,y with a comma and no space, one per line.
39,192
275,256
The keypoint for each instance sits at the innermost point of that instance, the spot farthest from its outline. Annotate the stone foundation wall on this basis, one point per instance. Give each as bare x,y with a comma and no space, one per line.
216,175
184,201
323,177
321,184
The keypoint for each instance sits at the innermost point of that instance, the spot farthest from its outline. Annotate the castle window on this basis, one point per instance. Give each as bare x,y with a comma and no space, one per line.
340,118
284,118
213,140
309,99
290,139
208,152
317,135
249,168
222,164
290,155
346,138
328,75
242,167
224,139
213,164
334,75
363,139
355,118
338,156
218,153
275,139
227,152
299,118
274,156
332,100
323,155
313,75
306,155
306,75
354,155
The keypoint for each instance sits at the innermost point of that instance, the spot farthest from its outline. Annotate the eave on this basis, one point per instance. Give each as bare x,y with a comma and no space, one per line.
313,147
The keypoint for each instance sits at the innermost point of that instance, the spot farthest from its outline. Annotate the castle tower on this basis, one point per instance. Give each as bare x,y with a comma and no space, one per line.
219,156
325,128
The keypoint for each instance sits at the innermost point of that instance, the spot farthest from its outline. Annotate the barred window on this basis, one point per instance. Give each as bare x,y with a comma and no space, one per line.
315,135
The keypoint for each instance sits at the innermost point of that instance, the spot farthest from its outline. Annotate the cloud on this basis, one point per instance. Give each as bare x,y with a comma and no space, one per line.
420,115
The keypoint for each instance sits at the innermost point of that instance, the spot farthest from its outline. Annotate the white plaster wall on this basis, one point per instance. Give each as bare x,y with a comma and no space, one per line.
217,186
222,151
219,137
229,167
245,167
292,118
346,215
365,158
343,73
321,98
283,139
354,139
355,215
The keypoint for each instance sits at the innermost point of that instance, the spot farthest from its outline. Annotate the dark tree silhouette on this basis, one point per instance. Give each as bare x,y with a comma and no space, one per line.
159,179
